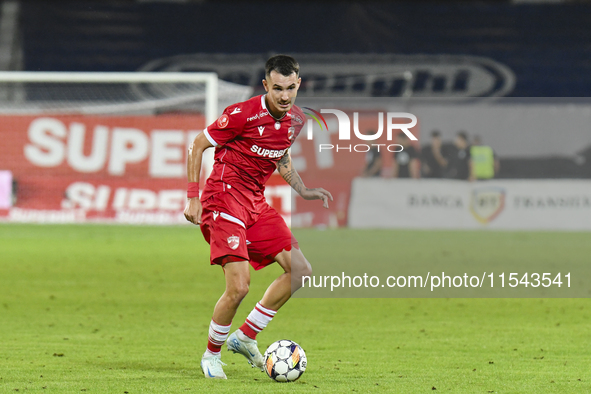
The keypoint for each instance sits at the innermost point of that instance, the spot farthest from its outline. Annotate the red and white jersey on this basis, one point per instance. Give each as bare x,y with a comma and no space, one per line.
248,144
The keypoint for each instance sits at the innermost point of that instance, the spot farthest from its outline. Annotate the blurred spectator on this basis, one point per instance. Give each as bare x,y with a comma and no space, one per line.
406,162
484,163
459,163
14,191
432,157
373,161
583,159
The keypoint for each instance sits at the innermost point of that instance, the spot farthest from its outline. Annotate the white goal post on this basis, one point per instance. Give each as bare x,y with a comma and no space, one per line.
32,93
209,79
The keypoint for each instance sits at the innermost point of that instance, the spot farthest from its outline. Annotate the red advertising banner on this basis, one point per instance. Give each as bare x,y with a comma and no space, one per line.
132,169
76,168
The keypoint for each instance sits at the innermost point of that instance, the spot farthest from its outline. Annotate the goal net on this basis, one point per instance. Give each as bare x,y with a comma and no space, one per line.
116,93
102,146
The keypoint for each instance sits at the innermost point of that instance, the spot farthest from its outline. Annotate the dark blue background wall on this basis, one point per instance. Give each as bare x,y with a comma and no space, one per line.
548,47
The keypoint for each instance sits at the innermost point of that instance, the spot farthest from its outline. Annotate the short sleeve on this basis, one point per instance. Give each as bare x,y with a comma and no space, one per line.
297,123
297,130
225,128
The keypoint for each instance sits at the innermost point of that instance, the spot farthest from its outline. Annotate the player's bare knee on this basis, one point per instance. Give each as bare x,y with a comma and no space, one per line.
237,292
242,291
236,297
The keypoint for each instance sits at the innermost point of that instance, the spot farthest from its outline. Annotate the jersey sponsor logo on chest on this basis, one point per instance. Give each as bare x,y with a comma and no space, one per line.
260,115
270,153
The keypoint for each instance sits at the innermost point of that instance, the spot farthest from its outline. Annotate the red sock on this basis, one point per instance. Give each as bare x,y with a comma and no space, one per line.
257,320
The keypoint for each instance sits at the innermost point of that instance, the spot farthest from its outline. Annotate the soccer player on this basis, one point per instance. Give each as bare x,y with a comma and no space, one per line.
251,140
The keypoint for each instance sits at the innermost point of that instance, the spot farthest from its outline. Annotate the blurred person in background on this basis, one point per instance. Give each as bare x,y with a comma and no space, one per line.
432,157
373,161
583,159
460,163
406,162
484,163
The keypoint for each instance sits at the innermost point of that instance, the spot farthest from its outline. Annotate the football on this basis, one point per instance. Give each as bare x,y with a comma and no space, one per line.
285,361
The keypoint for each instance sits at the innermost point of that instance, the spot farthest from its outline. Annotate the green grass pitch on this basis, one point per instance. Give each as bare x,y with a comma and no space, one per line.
123,309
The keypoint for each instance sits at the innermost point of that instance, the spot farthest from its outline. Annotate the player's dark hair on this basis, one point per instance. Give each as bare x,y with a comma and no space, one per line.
283,64
435,133
463,135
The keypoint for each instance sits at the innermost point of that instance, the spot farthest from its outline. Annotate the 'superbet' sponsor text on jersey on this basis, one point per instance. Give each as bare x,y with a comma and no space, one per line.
267,152
249,142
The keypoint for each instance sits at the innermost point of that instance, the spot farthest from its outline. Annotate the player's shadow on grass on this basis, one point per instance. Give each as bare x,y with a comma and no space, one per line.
236,370
146,366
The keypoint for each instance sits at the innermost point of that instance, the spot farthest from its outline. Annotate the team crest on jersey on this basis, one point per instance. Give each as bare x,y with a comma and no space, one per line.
233,242
223,121
277,125
291,133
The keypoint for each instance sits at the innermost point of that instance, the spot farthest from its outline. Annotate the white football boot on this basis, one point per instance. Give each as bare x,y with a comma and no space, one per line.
247,347
212,367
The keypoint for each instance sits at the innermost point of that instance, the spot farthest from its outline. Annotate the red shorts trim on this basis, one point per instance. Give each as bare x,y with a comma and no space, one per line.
227,259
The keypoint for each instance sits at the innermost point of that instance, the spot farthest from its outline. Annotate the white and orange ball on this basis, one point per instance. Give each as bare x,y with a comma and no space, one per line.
285,361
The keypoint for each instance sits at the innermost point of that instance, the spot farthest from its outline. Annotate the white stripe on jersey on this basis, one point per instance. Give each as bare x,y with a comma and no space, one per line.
211,140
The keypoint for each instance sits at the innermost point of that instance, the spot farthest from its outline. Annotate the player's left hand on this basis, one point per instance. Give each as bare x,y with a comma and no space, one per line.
317,194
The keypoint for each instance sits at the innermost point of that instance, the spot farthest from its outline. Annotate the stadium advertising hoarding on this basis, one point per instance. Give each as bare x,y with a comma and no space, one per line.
77,168
361,75
132,169
447,204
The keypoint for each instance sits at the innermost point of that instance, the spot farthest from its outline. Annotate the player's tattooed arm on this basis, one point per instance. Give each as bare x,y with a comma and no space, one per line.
289,173
291,176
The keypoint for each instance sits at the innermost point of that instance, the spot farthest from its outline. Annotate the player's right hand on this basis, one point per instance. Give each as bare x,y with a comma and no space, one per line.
193,210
